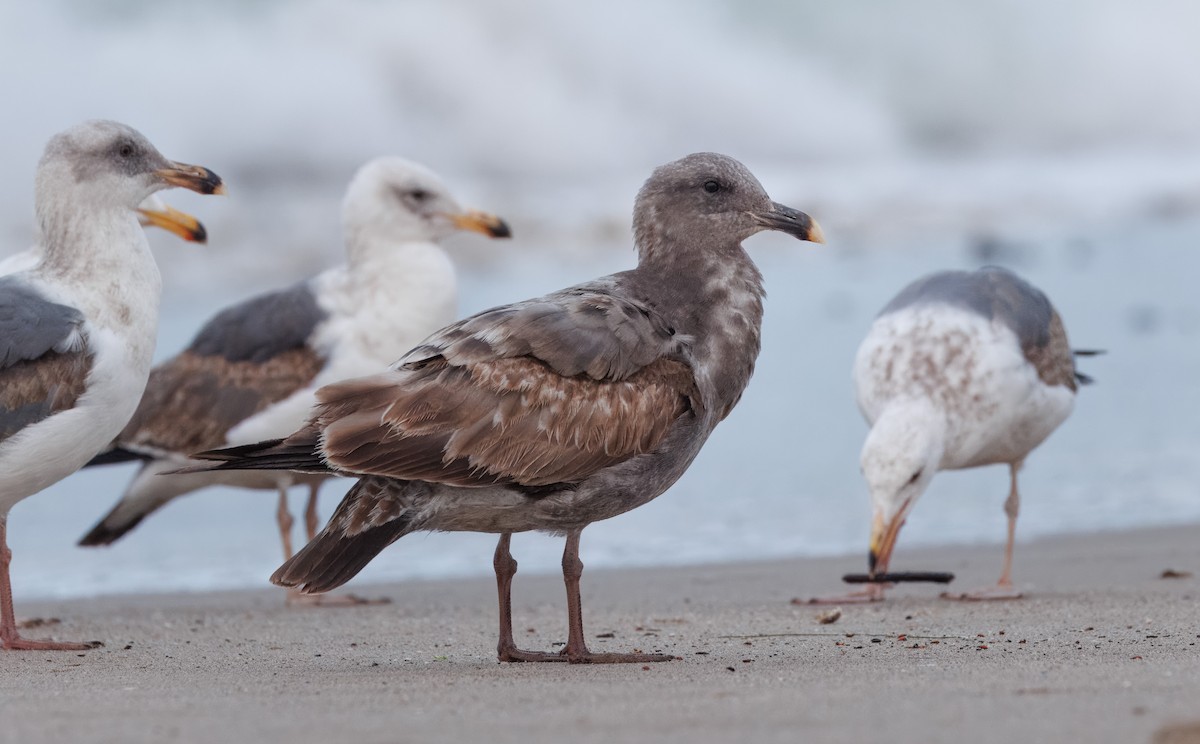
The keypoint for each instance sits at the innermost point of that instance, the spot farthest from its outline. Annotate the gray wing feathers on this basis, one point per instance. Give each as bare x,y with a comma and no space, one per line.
31,325
586,330
262,327
44,362
999,294
992,292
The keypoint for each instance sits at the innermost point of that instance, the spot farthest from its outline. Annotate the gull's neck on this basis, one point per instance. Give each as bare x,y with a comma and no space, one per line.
713,293
101,255
409,288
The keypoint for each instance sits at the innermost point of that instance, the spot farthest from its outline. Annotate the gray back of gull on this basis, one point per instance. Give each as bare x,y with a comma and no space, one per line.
39,374
262,327
992,292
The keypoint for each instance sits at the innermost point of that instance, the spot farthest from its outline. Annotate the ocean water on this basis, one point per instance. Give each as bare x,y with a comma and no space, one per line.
1057,139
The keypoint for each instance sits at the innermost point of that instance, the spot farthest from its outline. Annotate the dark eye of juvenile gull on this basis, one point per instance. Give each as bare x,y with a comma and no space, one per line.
915,477
419,194
712,187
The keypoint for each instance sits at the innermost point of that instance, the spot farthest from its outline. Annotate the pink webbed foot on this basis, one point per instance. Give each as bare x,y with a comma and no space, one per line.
18,643
871,593
986,594
296,599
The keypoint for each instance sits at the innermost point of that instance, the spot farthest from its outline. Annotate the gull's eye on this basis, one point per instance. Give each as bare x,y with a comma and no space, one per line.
126,150
419,194
915,477
712,187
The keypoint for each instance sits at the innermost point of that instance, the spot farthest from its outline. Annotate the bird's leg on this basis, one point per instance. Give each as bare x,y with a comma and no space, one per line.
311,518
10,638
1012,506
283,518
506,569
576,650
1004,588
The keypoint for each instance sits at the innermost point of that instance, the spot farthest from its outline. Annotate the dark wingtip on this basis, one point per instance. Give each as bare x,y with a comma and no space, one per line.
232,454
102,535
1080,377
114,456
333,558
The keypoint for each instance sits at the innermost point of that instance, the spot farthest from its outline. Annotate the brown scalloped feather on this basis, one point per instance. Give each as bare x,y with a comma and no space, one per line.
500,421
33,390
1054,360
192,401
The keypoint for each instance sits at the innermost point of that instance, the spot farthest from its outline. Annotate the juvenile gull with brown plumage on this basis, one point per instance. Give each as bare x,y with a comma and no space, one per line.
252,371
552,413
77,330
961,369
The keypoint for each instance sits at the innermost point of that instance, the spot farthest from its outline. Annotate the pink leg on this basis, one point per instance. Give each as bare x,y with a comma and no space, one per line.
1004,588
506,569
10,639
576,650
283,517
311,518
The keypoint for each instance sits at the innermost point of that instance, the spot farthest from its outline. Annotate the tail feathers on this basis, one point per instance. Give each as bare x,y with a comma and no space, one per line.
333,557
1080,377
299,452
107,534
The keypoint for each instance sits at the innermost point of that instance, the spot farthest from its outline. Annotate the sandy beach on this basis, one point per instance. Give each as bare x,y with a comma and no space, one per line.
1103,649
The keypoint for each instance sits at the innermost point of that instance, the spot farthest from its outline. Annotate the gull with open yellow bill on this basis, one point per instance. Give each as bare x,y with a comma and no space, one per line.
77,329
252,371
961,369
152,212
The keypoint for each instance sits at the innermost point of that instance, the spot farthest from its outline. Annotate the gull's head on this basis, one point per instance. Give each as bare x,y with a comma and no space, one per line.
900,457
392,200
707,196
105,164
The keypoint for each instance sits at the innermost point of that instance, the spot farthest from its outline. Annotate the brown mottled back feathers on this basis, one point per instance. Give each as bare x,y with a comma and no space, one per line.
246,358
532,394
1054,361
44,356
35,389
192,401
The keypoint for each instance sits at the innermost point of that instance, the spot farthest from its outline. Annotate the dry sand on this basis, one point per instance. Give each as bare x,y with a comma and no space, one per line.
1102,650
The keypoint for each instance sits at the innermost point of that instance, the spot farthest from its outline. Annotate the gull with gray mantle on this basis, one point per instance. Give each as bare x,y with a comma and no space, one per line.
961,369
552,413
152,212
252,371
77,330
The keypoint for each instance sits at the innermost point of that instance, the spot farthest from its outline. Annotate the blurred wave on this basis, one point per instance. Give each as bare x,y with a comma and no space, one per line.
929,113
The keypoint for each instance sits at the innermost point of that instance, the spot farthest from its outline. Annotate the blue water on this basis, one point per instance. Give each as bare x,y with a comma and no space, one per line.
1058,139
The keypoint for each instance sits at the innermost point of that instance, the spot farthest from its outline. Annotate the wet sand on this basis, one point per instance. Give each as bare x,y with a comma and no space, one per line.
1102,649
